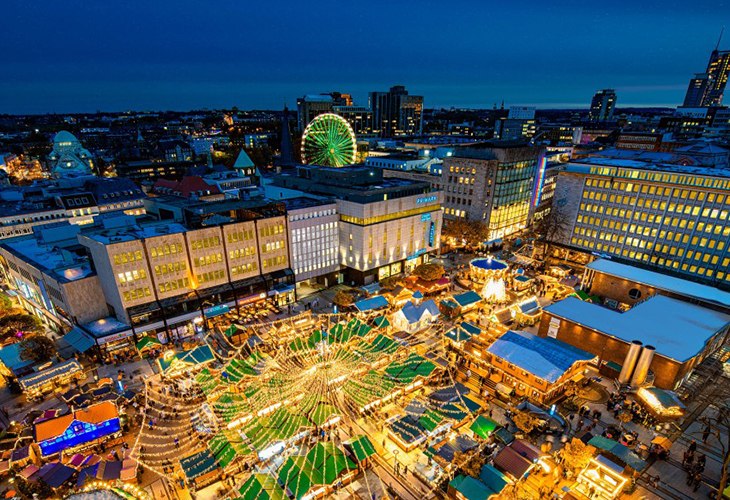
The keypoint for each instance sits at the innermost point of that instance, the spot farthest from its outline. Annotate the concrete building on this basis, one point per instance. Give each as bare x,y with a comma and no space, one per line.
670,218
386,225
396,113
315,240
680,334
493,182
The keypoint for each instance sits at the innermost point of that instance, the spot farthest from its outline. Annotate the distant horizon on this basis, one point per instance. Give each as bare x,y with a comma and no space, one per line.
292,110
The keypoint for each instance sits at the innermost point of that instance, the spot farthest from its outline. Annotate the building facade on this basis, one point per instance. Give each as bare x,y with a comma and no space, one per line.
315,240
396,112
494,183
667,217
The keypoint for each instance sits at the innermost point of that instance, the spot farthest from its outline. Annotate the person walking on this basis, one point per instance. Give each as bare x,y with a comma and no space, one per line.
693,446
705,433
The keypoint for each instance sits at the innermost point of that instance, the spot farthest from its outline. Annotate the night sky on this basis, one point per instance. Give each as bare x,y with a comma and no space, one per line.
71,55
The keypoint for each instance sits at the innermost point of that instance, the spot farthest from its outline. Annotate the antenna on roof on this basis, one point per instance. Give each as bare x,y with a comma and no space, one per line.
722,31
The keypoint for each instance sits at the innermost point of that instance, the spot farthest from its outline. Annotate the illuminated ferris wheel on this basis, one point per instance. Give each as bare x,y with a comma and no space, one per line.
329,141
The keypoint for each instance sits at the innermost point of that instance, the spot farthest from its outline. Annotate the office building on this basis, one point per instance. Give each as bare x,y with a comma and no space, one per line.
696,91
360,118
707,89
386,226
671,218
314,239
602,105
396,113
310,106
123,276
73,199
493,182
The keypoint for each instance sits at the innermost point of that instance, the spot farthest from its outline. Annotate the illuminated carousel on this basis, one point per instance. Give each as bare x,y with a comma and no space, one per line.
488,274
299,406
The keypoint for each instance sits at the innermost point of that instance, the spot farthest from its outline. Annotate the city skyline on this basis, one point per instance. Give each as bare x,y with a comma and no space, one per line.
182,57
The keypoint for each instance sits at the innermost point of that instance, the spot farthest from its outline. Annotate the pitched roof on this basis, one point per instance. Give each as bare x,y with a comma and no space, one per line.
414,313
188,186
546,358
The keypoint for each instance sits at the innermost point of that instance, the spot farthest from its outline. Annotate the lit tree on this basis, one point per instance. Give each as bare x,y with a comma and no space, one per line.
343,299
429,272
470,463
624,417
525,421
576,454
550,227
15,322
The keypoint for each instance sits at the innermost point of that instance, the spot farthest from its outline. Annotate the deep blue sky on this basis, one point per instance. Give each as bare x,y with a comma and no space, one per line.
84,55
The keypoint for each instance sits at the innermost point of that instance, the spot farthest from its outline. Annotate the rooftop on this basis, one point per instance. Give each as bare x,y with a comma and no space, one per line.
543,357
678,330
55,261
582,166
130,233
660,281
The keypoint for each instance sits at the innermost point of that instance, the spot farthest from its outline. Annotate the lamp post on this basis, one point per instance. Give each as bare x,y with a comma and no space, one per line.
395,461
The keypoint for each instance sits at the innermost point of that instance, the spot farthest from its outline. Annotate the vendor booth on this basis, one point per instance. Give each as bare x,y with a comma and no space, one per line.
601,479
527,312
50,379
147,346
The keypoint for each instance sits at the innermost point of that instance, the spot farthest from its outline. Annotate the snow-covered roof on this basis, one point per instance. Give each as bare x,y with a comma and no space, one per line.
679,330
543,357
414,313
661,281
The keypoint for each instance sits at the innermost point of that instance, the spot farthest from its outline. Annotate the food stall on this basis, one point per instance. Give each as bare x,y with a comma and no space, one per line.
527,312
601,479
147,346
51,378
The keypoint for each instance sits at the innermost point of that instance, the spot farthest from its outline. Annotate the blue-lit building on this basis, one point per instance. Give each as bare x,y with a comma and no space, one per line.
81,428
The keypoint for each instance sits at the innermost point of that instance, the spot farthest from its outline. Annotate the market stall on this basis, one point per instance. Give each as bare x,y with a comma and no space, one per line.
148,346
52,378
527,312
601,479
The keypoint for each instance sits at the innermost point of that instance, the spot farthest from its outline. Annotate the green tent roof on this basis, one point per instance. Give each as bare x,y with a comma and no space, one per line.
262,487
483,426
431,420
470,488
329,460
361,447
299,476
322,413
147,342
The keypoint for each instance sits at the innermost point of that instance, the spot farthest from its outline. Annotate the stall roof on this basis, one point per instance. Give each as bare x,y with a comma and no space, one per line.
510,461
678,330
467,298
59,370
543,357
198,464
660,281
262,487
148,342
79,340
361,446
483,426
407,428
10,357
371,304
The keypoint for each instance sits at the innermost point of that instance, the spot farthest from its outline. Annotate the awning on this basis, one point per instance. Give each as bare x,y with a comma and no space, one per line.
483,426
79,340
371,304
218,310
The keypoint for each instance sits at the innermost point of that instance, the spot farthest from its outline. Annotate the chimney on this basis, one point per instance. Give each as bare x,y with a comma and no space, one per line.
630,362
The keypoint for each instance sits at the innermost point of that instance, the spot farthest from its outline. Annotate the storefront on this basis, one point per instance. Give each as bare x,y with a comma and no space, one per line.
390,270
115,339
415,260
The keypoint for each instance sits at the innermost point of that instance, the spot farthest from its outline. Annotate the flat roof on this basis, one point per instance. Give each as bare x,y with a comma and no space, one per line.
677,329
131,233
62,264
661,281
